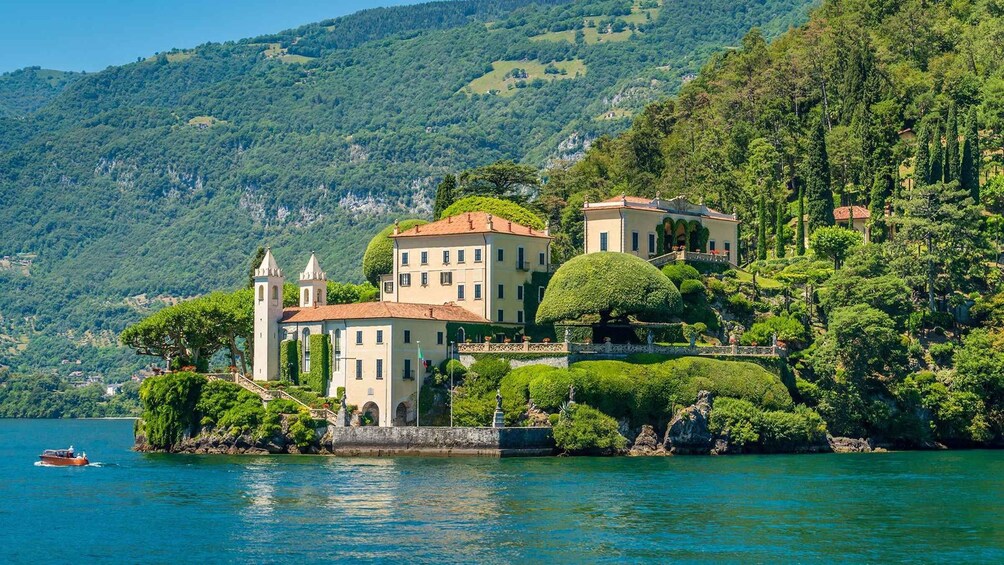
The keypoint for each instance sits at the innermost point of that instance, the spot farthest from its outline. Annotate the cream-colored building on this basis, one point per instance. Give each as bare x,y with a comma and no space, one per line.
481,263
453,280
651,227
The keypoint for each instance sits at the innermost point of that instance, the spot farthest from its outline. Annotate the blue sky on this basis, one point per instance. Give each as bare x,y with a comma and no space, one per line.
89,35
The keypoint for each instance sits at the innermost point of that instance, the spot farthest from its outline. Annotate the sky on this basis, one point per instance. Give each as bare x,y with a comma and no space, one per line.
89,35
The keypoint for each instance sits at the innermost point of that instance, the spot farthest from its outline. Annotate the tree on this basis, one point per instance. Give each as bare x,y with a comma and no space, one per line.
445,195
379,256
761,230
779,239
608,287
969,172
503,209
800,230
502,179
583,428
882,188
819,196
835,243
935,169
865,339
255,263
922,159
952,167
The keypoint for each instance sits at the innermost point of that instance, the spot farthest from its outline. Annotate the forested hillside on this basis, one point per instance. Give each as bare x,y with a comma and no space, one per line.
24,91
156,180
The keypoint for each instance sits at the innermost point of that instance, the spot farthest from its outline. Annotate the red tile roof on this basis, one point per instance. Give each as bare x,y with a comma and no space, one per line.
843,213
471,222
449,312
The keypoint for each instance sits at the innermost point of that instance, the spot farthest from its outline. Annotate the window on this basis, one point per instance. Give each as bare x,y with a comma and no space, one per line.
521,259
407,336
446,278
477,255
446,257
460,256
306,296
336,346
275,296
306,350
634,241
519,316
651,244
519,292
359,337
424,257
379,369
404,258
460,292
359,369
477,291
404,279
439,338
501,255
728,250
711,245
379,336
501,291
407,370
425,279
261,294
540,294
603,241
501,317
542,258
388,287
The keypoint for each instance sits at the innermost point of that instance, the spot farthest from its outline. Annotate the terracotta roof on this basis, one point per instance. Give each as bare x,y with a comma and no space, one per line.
449,312
843,213
471,222
678,205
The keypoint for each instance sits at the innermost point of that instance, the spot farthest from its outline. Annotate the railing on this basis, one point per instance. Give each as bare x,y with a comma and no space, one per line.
562,348
522,265
515,347
715,257
408,374
267,395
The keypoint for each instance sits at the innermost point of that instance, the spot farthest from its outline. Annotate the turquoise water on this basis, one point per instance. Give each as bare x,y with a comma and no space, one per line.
131,507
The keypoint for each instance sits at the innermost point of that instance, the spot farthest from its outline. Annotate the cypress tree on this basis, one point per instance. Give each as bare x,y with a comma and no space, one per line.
936,169
819,196
779,231
761,230
800,230
881,192
922,159
446,193
969,168
952,145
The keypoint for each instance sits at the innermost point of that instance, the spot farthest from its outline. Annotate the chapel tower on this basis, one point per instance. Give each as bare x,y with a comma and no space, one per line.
268,283
313,285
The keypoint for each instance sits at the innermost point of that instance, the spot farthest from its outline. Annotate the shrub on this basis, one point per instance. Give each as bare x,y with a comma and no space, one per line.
169,403
243,417
504,209
283,406
749,426
942,353
289,361
691,288
788,329
679,272
301,430
485,375
454,368
739,304
586,429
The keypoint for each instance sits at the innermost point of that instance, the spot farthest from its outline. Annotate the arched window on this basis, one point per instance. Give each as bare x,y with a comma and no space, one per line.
306,296
461,335
306,350
261,294
275,295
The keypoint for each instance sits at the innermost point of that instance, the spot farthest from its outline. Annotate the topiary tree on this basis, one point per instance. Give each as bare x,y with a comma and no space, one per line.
834,243
496,207
609,287
379,257
679,272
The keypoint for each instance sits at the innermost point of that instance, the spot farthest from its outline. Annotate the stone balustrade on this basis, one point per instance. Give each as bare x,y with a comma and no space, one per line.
624,349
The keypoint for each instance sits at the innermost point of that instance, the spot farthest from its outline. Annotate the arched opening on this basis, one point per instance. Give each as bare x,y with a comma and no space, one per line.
461,336
306,297
306,350
370,414
275,295
401,415
261,294
680,236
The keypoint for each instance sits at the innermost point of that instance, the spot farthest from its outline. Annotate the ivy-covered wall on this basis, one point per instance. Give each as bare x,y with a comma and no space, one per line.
320,364
531,301
289,361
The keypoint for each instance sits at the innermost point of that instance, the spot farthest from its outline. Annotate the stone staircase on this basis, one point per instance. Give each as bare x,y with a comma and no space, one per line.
267,395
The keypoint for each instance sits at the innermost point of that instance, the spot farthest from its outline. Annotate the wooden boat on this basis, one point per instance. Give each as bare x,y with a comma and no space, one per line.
63,457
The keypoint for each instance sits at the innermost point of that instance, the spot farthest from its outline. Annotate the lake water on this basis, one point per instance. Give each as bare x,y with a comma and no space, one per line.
132,507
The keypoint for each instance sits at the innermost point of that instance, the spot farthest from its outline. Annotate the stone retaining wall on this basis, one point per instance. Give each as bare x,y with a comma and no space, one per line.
560,361
491,442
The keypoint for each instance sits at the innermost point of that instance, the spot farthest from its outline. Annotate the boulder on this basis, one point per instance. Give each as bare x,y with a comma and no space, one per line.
647,443
850,445
688,431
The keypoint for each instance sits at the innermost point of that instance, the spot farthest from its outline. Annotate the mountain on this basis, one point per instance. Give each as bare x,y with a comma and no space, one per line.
156,180
26,90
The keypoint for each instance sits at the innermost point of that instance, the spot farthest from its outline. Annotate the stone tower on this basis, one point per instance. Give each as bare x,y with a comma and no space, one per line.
267,314
313,285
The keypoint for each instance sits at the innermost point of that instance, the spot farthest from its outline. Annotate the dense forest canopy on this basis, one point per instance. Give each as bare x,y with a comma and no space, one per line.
149,182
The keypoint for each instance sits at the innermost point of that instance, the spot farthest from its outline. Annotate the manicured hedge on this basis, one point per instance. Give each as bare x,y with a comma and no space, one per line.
503,209
320,364
379,256
289,361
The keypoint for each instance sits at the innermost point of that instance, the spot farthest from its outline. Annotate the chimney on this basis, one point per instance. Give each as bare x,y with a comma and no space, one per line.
430,312
624,198
396,228
449,220
510,225
490,227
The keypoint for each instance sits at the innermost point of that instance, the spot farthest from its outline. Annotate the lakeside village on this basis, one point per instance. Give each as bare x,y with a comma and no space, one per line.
474,299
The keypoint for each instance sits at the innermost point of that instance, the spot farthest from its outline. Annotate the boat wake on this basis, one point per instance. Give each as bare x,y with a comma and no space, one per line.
95,464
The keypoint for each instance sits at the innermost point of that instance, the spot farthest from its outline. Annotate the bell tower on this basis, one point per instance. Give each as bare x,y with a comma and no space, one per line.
313,285
268,283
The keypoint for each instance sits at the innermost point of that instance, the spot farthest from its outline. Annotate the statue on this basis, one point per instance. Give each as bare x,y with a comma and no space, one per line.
344,404
498,399
568,335
651,337
571,394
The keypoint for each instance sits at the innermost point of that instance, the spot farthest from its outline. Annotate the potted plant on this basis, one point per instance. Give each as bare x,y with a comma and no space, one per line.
547,340
507,340
526,339
488,339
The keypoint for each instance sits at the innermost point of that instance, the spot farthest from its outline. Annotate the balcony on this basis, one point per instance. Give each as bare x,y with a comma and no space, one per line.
408,374
522,265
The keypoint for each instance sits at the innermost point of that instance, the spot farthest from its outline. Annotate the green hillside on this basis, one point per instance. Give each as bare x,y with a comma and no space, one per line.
157,180
26,90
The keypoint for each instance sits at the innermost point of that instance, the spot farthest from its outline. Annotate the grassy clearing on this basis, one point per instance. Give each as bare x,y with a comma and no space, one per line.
205,121
501,79
591,35
761,280
615,114
276,51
